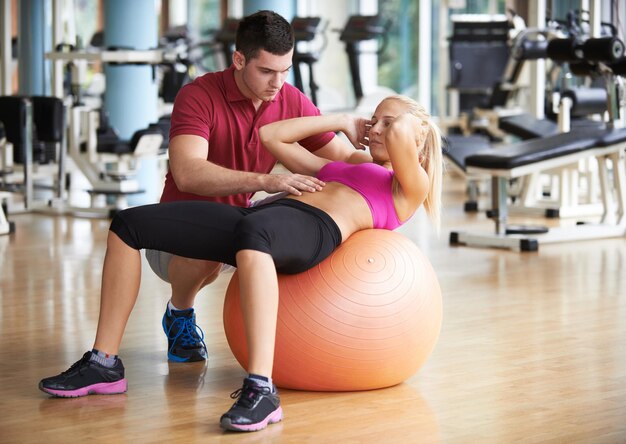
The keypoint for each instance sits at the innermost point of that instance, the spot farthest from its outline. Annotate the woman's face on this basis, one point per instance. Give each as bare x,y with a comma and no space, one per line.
385,113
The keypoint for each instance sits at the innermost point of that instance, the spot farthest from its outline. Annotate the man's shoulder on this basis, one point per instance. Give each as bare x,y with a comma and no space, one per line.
207,89
296,102
208,81
291,93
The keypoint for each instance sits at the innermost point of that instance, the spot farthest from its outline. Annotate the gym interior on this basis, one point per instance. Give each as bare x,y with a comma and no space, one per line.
530,258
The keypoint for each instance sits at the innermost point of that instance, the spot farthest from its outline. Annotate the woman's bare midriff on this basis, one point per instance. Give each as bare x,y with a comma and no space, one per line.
348,208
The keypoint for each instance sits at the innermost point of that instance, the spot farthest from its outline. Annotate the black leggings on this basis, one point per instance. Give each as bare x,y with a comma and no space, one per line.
296,235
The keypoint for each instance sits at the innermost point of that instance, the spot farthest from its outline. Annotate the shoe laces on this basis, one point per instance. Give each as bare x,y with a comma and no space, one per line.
82,362
249,394
187,331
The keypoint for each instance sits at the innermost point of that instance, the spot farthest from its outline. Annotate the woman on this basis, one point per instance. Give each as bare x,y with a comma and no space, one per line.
379,189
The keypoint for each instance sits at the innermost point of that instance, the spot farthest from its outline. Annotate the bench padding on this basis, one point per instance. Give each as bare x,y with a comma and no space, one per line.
527,126
537,150
459,147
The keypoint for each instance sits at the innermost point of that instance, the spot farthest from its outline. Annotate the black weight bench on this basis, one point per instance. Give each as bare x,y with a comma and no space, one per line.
35,127
537,155
5,225
532,151
151,140
575,105
458,148
526,127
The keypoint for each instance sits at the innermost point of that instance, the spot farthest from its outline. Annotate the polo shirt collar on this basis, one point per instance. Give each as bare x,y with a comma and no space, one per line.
233,94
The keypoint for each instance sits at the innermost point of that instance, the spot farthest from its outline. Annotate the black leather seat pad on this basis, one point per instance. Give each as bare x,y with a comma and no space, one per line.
527,127
537,150
459,147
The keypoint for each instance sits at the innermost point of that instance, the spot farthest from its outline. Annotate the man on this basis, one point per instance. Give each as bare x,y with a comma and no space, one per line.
215,154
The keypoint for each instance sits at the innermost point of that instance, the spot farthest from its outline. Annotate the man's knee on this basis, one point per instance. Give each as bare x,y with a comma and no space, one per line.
211,271
170,268
159,262
194,269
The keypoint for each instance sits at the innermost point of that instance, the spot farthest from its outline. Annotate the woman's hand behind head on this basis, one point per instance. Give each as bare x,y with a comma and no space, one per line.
356,130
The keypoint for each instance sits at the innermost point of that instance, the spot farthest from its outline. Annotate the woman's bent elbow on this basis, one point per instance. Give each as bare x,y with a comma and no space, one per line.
264,135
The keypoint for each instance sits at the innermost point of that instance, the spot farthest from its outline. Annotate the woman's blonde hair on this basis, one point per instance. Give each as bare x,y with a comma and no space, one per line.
431,155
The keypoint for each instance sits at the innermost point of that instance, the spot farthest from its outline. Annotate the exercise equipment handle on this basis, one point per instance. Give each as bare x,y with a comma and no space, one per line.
532,50
601,49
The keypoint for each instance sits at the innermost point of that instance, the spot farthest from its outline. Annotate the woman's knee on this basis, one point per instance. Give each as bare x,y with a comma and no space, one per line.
123,230
252,234
115,241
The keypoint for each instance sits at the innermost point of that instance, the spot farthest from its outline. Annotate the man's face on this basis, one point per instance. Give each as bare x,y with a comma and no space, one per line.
262,77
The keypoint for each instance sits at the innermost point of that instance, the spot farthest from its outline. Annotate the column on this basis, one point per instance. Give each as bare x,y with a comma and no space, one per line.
34,40
131,95
286,8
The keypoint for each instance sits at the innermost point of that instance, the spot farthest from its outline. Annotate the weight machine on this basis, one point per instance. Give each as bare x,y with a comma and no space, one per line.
307,30
108,163
601,56
359,29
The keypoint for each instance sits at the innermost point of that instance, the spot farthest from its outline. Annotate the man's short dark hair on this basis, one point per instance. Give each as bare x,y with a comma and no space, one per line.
264,30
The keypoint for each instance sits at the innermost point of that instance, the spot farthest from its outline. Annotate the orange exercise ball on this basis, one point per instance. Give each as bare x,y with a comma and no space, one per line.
366,317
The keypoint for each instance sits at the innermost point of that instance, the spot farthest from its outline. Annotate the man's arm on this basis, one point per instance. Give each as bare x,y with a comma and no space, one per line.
194,174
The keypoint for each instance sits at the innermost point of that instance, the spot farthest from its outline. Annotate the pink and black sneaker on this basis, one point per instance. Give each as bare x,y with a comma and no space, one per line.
255,408
86,377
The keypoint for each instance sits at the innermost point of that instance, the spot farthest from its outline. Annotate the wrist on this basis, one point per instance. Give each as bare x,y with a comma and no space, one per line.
260,182
345,122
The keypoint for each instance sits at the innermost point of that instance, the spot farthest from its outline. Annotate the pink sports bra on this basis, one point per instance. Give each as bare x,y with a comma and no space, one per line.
371,181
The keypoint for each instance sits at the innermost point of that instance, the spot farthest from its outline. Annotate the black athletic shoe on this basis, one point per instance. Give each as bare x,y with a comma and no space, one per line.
185,340
255,408
86,377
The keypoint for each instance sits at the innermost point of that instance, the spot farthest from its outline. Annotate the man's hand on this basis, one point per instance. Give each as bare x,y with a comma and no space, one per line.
357,131
291,183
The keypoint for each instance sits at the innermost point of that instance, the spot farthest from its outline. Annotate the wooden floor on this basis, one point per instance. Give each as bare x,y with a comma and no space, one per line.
532,349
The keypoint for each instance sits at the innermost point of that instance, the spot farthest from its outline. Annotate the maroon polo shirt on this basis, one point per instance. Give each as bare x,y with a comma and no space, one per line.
212,107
